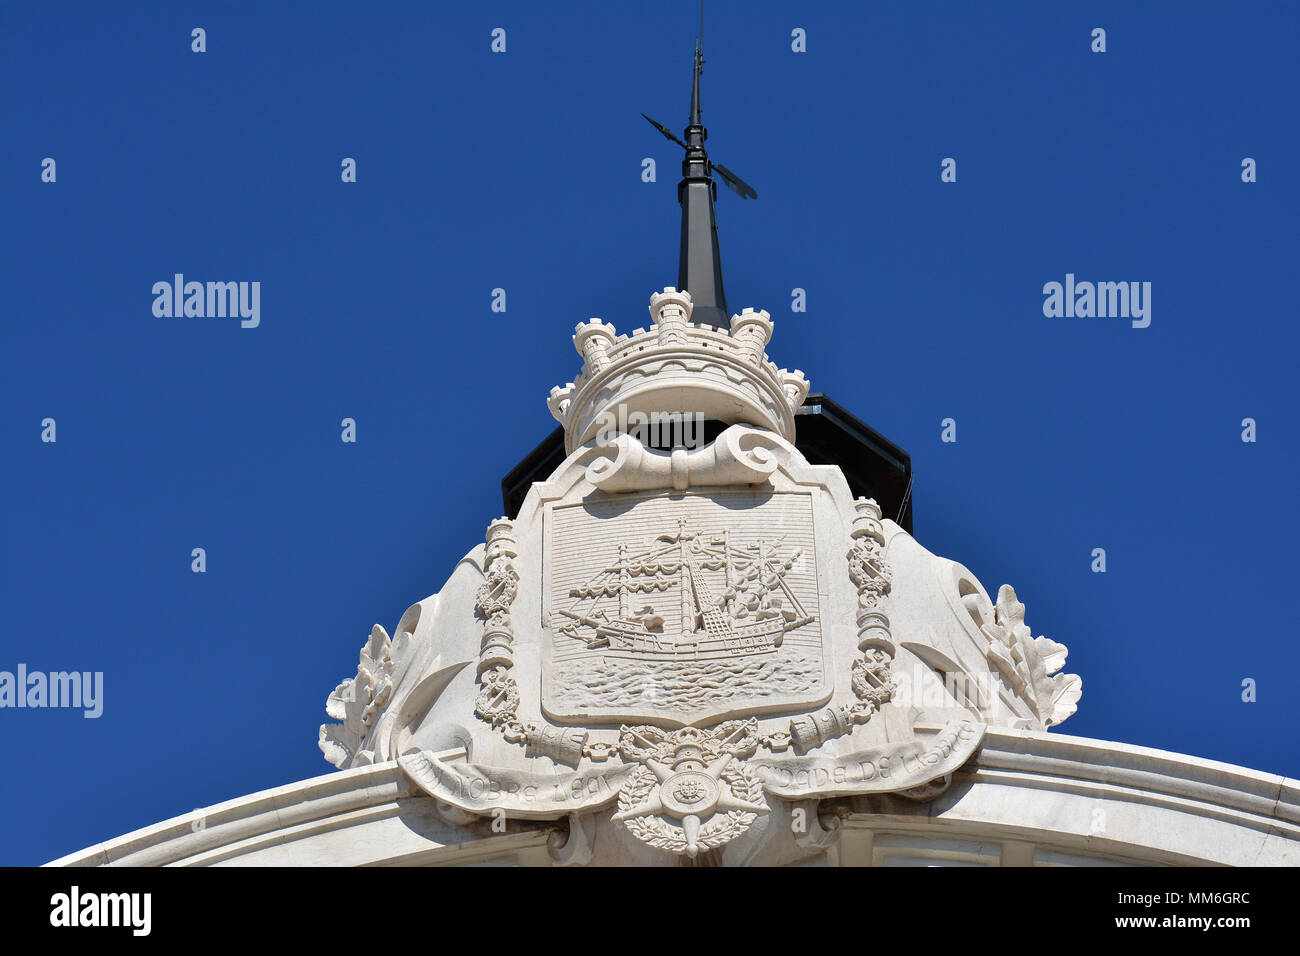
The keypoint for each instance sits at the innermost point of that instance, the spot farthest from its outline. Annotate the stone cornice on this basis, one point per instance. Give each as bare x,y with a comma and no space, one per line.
1111,800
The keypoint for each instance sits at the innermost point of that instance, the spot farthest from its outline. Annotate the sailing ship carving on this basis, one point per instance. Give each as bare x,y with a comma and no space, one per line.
749,615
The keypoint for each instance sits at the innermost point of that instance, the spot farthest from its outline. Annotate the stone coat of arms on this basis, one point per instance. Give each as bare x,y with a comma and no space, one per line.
682,608
689,654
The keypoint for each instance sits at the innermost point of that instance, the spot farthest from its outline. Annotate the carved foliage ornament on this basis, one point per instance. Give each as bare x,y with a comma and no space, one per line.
358,700
1030,664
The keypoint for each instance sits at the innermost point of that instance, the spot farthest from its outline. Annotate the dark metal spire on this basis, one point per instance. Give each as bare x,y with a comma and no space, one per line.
700,266
695,88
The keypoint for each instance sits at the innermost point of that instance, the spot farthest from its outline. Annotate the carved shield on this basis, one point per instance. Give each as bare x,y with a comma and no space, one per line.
682,608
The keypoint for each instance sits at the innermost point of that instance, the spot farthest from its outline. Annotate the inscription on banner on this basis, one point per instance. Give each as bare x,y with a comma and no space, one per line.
880,769
478,789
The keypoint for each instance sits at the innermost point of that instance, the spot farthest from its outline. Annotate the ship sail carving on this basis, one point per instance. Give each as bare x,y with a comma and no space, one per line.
744,610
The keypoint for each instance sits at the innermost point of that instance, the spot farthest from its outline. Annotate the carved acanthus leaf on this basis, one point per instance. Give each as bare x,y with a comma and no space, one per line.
1030,664
357,701
334,744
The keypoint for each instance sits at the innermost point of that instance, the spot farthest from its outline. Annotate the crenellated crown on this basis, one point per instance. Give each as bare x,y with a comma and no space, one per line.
677,367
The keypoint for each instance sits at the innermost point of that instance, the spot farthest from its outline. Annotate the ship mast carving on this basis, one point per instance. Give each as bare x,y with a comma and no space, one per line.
752,614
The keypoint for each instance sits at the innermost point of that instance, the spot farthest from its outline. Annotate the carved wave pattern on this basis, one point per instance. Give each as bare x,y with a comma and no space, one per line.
687,685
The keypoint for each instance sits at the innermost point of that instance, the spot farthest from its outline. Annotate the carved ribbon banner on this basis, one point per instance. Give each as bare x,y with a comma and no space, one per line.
520,794
893,767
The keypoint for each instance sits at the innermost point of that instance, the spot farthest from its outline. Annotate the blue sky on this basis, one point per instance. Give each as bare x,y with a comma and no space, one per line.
522,171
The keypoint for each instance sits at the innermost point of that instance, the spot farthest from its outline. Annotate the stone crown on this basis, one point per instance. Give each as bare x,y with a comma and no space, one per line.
676,367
